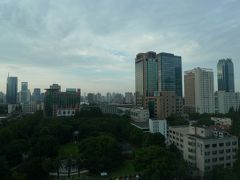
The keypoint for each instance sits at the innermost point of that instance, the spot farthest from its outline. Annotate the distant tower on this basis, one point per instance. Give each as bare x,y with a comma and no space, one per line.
11,94
225,75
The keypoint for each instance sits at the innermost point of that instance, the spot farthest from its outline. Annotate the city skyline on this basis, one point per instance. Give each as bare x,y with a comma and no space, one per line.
92,45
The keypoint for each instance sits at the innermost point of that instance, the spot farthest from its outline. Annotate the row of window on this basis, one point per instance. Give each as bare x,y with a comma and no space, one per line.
221,144
221,151
221,165
220,159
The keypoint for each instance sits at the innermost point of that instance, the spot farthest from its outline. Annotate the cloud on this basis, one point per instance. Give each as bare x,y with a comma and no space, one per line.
92,44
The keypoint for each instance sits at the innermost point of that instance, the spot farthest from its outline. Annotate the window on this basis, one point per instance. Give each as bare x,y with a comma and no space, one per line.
228,143
228,150
207,168
207,153
214,159
234,143
234,157
221,151
228,165
234,150
221,144
214,152
228,157
221,159
214,145
207,146
207,160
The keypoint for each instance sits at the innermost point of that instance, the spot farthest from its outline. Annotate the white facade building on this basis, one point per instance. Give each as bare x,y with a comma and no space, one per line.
204,148
158,126
139,114
226,100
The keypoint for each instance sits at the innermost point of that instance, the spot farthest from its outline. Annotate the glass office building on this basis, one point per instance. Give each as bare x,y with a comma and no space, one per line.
146,76
170,73
12,84
225,75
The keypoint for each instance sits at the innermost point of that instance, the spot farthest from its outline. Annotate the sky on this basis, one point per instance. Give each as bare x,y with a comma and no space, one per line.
92,44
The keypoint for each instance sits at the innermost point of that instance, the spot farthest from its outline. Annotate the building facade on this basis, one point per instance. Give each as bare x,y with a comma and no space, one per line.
139,114
225,75
170,73
157,72
57,102
226,100
199,90
164,104
204,148
12,90
158,126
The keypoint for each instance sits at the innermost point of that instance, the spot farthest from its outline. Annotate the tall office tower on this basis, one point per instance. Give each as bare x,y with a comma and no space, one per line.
146,76
199,90
36,95
12,88
170,73
25,94
225,75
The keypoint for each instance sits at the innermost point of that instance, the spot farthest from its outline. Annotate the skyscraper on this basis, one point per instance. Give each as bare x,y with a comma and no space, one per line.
12,85
25,94
170,73
199,90
157,72
146,76
225,75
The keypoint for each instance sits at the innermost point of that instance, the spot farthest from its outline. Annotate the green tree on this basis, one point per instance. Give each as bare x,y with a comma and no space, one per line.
153,139
100,153
159,163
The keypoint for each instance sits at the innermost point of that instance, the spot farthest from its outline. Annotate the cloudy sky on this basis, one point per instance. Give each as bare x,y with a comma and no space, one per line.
92,44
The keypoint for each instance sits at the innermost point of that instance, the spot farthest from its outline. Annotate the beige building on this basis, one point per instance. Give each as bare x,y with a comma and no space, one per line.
199,90
164,104
204,148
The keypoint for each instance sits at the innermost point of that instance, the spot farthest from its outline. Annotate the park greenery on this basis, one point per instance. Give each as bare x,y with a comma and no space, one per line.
34,145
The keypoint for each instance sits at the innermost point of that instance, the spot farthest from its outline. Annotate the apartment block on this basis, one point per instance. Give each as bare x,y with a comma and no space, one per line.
204,148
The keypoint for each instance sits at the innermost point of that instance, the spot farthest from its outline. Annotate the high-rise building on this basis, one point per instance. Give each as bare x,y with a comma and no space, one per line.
225,75
170,73
56,87
12,89
57,103
146,76
199,90
25,95
36,95
157,72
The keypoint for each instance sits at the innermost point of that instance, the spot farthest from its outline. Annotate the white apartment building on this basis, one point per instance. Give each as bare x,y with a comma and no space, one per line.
204,148
158,126
139,114
225,100
199,90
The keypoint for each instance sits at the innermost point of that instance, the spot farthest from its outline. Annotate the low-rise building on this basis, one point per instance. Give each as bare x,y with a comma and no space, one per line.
158,126
139,114
204,148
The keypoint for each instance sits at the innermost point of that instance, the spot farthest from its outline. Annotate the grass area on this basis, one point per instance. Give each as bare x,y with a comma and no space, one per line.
68,149
127,168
